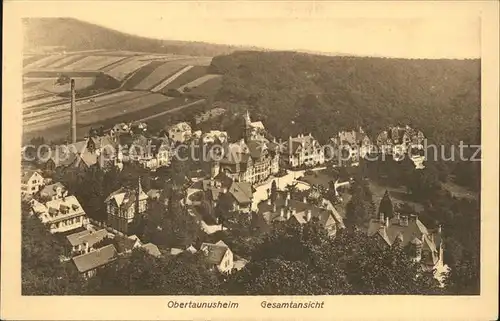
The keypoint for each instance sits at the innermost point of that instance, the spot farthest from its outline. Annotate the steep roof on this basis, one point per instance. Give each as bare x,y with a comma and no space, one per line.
87,236
302,141
125,197
27,174
214,252
152,249
268,212
95,259
51,190
406,234
61,208
242,192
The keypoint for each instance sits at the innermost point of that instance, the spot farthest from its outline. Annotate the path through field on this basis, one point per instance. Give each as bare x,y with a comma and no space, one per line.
167,81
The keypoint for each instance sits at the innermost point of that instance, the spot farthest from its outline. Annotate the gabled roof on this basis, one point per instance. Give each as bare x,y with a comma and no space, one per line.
242,192
214,252
87,236
27,174
125,197
152,249
51,190
95,259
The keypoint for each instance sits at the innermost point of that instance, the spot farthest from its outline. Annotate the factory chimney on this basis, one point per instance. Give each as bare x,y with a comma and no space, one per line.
73,113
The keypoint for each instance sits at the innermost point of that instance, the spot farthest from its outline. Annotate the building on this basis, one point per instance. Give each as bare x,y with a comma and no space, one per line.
287,209
214,136
425,246
152,249
180,133
350,146
219,256
123,205
88,263
61,214
254,130
303,150
84,241
53,191
241,196
31,182
251,162
125,244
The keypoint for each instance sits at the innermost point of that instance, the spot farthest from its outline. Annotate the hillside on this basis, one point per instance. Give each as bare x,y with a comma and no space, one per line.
75,35
295,92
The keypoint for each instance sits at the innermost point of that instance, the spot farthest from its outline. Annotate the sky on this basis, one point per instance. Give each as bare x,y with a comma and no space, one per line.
366,30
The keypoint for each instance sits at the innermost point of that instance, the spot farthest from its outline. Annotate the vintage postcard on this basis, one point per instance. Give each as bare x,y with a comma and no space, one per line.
218,160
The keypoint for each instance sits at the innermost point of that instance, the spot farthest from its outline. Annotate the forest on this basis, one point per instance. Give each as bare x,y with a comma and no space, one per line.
296,93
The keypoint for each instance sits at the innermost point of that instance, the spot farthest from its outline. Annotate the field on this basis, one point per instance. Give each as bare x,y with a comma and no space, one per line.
80,83
159,74
122,69
204,86
111,86
190,75
141,74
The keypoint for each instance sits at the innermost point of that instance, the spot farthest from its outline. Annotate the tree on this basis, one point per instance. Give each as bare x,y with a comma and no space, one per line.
143,274
386,206
224,209
42,272
274,191
360,208
305,261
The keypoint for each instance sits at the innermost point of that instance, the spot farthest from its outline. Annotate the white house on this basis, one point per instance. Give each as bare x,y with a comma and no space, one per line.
61,214
180,132
219,256
31,181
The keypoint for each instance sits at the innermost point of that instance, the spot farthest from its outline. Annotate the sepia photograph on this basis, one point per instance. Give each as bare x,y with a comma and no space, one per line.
211,150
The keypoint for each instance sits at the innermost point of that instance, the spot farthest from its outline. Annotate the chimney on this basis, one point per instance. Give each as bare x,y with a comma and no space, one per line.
309,215
440,230
288,214
288,195
73,112
282,212
85,247
304,200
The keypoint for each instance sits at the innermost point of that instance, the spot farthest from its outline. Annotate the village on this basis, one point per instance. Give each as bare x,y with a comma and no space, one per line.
263,179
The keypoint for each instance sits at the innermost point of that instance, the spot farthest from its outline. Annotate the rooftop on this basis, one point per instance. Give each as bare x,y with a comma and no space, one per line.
95,259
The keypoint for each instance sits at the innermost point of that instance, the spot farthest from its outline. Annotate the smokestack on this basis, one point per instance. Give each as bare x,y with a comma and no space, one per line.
73,112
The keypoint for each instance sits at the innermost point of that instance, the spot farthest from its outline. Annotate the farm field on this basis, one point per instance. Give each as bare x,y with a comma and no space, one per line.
31,59
141,74
80,83
190,75
92,63
158,75
168,80
67,60
122,69
206,89
213,79
44,61
128,106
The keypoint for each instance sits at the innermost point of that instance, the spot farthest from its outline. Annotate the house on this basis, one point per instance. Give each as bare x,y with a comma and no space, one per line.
123,205
214,136
241,196
303,150
254,130
125,244
53,191
425,246
84,241
152,249
251,162
31,182
88,263
300,212
349,146
218,256
61,215
180,132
